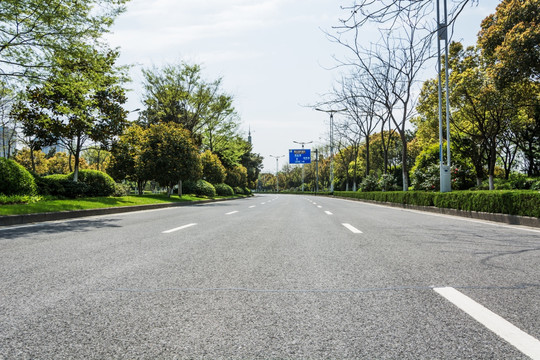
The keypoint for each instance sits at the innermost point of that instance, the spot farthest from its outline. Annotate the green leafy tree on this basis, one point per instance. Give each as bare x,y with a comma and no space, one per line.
34,161
509,40
81,101
126,158
237,177
213,171
32,31
169,155
482,110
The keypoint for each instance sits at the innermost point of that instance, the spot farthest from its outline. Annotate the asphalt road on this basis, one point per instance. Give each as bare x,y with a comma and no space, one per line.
270,277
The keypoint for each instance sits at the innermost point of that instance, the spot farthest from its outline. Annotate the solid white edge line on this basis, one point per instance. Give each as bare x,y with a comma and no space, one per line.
232,212
524,342
178,228
352,228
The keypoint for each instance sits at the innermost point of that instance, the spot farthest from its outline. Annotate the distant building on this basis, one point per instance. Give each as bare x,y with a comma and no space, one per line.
55,147
8,141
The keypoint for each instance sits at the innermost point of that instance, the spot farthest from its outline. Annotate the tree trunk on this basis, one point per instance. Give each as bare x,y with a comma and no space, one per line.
404,165
32,159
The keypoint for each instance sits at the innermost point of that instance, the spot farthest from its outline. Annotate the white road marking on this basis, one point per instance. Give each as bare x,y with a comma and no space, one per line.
352,228
232,212
252,206
524,342
178,228
319,206
263,203
328,212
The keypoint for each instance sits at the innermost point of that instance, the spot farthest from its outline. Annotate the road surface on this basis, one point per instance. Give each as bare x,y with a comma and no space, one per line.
272,276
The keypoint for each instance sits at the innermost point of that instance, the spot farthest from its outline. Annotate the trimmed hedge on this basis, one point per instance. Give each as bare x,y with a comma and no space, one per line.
15,179
523,203
224,190
61,186
199,187
99,183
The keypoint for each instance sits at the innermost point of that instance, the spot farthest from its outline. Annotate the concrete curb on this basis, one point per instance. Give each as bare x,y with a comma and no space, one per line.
8,220
502,218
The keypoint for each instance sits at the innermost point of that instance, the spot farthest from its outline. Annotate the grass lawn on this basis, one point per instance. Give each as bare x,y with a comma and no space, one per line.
52,205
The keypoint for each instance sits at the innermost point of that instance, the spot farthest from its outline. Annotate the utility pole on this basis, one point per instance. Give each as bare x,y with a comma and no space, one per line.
303,165
317,170
331,112
277,167
442,34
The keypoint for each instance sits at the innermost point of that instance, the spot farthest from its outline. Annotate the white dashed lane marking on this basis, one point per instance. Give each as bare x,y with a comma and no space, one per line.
178,228
352,228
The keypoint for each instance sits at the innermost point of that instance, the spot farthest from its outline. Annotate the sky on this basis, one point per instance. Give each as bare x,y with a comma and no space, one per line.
273,55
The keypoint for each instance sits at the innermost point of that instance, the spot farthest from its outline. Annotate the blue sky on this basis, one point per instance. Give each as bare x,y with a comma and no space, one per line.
273,56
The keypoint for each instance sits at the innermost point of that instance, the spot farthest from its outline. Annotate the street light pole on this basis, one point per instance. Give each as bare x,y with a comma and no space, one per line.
331,112
442,34
303,165
277,167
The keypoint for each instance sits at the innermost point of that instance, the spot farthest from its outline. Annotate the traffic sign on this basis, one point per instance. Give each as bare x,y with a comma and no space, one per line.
300,156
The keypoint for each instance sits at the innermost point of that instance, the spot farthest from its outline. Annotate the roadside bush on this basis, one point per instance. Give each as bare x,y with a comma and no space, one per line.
512,202
369,183
19,199
224,190
387,182
98,183
15,179
204,188
238,190
61,186
121,190
247,191
199,188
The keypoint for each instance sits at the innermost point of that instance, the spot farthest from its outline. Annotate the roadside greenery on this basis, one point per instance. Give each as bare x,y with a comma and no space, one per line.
523,203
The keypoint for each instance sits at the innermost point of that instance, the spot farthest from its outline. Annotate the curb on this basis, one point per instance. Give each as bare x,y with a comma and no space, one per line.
501,218
8,220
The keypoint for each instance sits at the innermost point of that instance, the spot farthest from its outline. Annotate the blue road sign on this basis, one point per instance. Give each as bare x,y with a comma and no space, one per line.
300,156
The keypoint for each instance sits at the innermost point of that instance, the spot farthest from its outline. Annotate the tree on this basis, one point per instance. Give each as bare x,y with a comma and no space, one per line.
81,101
126,158
482,110
237,176
509,40
33,31
169,155
34,161
179,94
212,169
393,64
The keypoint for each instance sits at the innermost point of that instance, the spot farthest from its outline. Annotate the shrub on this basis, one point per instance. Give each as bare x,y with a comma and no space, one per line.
121,190
238,190
98,183
514,202
387,182
224,190
204,188
19,199
189,187
15,179
369,183
247,191
61,186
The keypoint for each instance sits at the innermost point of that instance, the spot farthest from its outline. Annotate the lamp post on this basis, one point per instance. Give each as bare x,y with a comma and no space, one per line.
277,167
303,165
442,34
331,112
